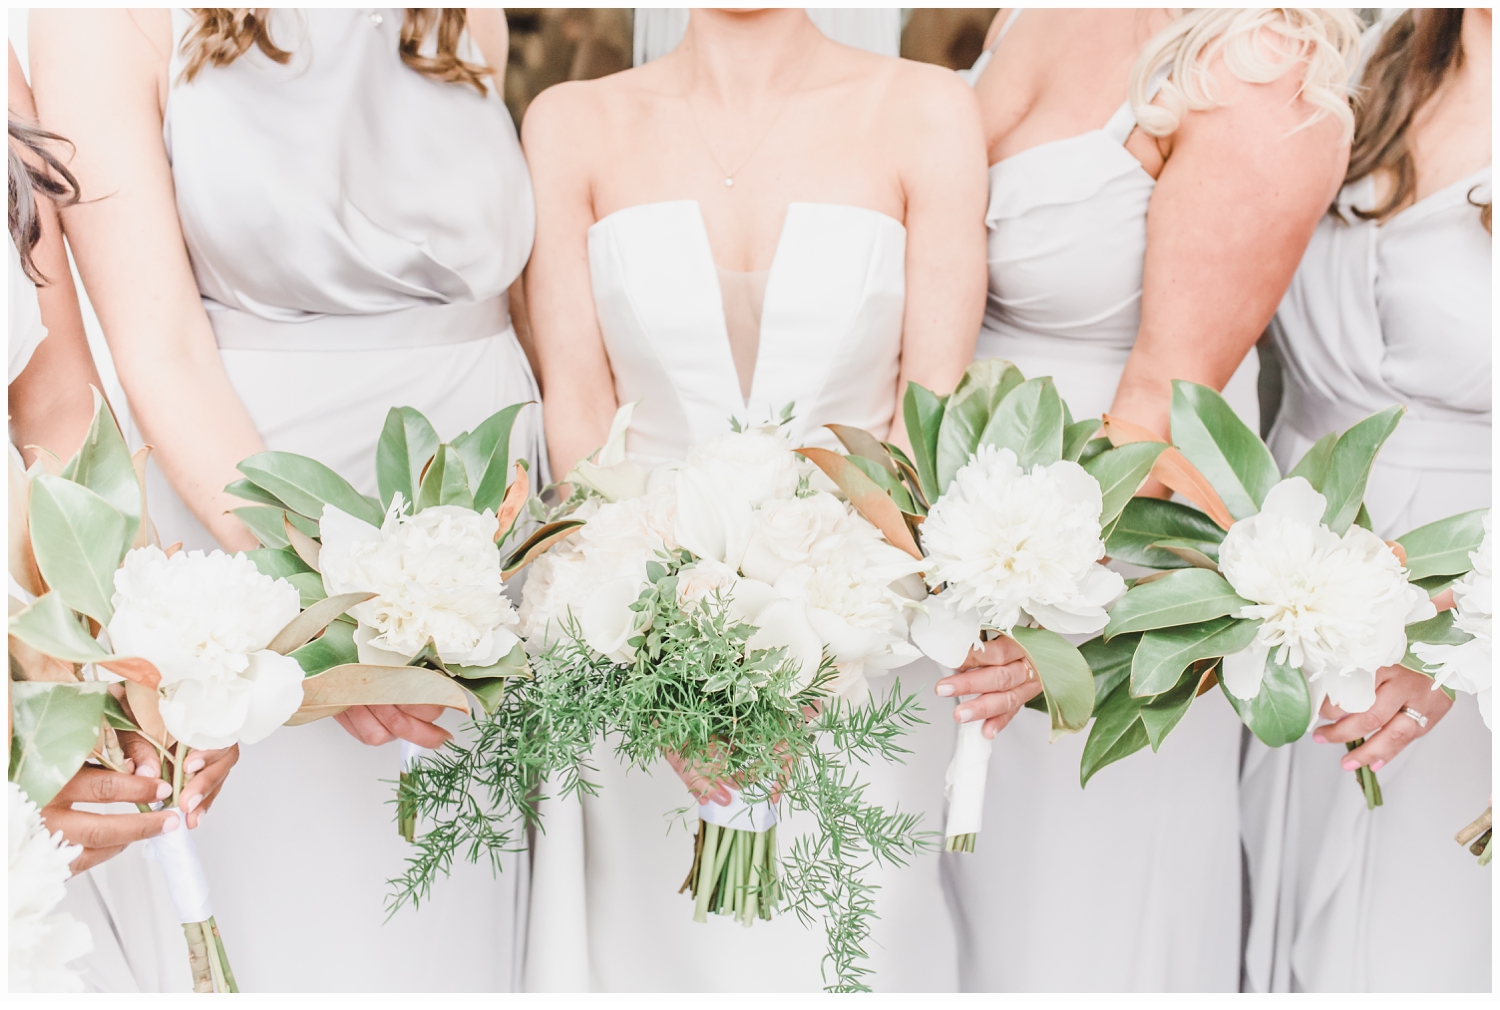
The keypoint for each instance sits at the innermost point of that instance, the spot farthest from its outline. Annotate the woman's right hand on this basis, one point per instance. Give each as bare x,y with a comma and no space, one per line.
379,724
1001,675
703,788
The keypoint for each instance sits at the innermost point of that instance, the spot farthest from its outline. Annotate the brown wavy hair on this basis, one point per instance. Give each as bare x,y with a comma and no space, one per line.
1414,58
221,35
42,173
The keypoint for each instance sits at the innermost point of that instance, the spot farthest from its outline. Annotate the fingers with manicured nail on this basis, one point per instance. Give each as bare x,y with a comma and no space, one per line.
984,679
996,652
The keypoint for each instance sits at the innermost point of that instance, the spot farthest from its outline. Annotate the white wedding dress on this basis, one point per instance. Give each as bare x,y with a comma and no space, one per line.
1348,899
1132,884
353,227
605,912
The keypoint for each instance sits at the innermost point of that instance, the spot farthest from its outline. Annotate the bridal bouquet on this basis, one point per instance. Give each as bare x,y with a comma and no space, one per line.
42,941
724,612
190,651
1006,499
1275,587
420,571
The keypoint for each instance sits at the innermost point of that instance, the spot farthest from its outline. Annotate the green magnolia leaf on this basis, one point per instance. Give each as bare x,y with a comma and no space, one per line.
445,483
406,444
1028,421
1214,439
1187,596
1349,466
49,625
1442,548
278,563
513,664
267,523
486,456
1121,472
881,476
533,546
251,491
310,585
858,442
1094,447
1067,681
1282,711
55,726
114,714
1313,466
1077,436
103,465
335,647
1437,630
307,485
79,539
489,692
980,392
1164,711
305,626
1194,553
923,411
1117,733
1144,522
1165,653
1110,661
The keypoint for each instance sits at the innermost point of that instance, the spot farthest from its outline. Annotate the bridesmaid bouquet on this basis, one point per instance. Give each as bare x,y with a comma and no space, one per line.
41,941
1005,499
419,570
190,651
725,612
1274,586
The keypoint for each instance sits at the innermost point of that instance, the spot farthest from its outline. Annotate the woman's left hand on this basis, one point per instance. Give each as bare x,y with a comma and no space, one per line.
204,773
1002,677
1396,690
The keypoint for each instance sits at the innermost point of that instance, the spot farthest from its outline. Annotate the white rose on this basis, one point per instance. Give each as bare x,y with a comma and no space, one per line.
754,466
712,519
790,531
205,622
703,580
1334,607
607,621
436,576
1010,544
1469,666
620,537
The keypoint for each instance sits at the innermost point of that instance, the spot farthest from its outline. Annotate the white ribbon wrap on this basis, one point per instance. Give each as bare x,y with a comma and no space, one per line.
411,753
739,814
175,853
966,777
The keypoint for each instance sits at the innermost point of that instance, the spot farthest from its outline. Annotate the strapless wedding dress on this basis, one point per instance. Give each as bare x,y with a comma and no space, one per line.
605,912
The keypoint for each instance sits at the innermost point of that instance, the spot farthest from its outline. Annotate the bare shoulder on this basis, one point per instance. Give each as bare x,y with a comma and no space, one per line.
583,115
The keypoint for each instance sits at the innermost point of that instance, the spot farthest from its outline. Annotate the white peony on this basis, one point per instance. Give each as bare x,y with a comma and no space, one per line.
1469,666
1334,607
437,578
205,622
41,942
1012,545
752,466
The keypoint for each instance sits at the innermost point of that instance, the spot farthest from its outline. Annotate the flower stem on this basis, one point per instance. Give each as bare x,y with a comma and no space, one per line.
706,863
960,843
406,808
199,963
1365,778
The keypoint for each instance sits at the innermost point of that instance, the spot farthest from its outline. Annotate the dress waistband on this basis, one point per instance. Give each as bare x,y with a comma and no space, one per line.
1002,340
1419,443
420,326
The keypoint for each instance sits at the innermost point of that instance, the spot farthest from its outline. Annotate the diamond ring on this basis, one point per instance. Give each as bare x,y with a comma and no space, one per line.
1415,716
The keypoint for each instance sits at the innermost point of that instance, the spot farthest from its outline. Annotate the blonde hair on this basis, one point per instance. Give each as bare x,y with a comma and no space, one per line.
1325,41
221,35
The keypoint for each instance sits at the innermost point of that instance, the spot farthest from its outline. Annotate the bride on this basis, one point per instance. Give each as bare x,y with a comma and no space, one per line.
762,217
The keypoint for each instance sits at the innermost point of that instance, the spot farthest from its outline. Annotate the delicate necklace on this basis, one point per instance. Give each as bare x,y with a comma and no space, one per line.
728,175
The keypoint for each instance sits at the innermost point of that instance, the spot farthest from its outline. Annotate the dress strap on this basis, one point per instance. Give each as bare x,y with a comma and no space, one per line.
972,75
1123,121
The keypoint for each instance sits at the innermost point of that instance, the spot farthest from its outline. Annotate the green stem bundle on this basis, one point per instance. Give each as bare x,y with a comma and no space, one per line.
1365,778
960,843
733,873
207,959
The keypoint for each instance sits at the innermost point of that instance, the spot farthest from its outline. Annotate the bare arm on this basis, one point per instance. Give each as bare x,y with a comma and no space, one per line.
100,80
1235,206
50,402
575,369
943,170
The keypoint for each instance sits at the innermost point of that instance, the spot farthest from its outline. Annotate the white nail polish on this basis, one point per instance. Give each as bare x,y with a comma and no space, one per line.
945,690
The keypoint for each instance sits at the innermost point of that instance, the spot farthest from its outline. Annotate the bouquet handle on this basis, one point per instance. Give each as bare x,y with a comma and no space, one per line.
177,856
967,776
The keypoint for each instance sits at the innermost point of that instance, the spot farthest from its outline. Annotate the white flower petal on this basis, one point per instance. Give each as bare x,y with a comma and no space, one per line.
275,694
1245,671
607,620
785,624
943,633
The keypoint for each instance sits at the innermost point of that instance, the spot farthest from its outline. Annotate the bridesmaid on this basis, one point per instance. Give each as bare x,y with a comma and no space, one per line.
1153,182
51,408
307,217
760,217
1390,305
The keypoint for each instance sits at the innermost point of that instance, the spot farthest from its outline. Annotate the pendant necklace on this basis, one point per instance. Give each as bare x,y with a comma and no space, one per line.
728,175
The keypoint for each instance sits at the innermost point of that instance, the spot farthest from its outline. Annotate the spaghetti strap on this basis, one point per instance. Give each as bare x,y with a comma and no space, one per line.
972,75
1124,121
1010,19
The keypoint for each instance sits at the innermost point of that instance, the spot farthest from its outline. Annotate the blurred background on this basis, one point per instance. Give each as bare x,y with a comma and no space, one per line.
549,45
